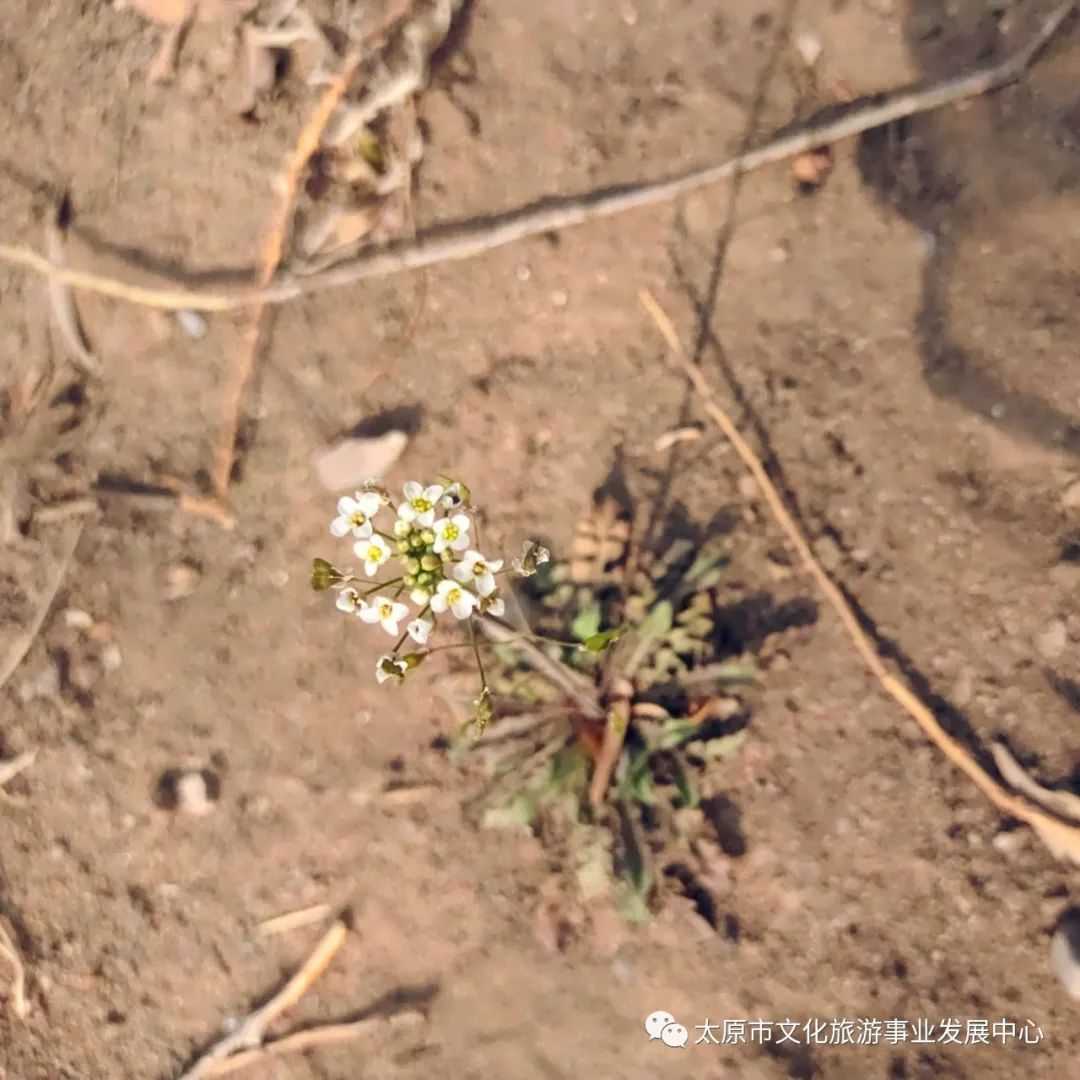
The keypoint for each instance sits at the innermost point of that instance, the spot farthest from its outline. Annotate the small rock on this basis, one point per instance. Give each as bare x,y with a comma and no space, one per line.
1070,497
1065,953
1009,841
351,462
828,553
111,658
964,688
193,794
78,619
809,47
181,580
748,487
192,324
1050,644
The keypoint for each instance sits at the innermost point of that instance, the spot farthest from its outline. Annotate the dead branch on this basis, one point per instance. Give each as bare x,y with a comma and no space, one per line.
467,239
251,1030
1061,837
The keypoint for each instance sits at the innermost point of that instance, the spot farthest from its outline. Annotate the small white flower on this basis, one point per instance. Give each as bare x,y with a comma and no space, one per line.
384,611
355,514
455,597
390,668
420,503
474,567
495,605
419,630
452,533
374,551
349,600
420,596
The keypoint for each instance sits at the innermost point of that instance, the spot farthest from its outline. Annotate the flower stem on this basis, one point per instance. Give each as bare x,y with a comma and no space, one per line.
476,653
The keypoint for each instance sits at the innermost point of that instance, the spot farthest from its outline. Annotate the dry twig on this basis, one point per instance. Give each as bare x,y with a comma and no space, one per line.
250,1032
19,763
9,951
467,239
1061,837
324,1035
293,920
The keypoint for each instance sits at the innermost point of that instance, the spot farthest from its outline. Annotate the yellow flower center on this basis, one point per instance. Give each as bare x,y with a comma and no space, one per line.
421,505
453,595
358,517
479,568
385,611
451,532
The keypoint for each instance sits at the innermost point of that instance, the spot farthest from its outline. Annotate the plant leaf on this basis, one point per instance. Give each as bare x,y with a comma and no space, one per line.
323,575
687,792
586,623
674,733
598,643
658,621
637,784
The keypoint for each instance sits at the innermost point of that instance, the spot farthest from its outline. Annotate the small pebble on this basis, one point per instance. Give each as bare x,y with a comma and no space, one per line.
351,462
1050,644
193,794
180,581
809,47
78,619
1065,953
523,273
111,658
192,323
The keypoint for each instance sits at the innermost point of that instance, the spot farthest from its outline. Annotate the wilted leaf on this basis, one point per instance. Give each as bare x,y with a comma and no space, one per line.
323,575
533,555
586,623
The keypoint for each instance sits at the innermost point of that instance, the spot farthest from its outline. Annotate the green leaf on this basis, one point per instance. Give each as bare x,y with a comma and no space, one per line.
586,623
637,784
704,573
674,733
598,643
324,574
735,672
722,748
658,621
568,769
632,907
687,792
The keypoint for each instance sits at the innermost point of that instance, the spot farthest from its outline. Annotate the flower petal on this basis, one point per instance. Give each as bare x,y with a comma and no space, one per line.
485,584
368,502
463,572
434,492
369,612
461,521
340,526
413,490
494,564
346,505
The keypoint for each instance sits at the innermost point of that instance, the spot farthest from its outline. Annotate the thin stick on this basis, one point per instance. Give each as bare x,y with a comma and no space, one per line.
274,245
1005,800
10,952
557,674
610,750
252,1029
20,763
22,645
293,920
324,1035
467,239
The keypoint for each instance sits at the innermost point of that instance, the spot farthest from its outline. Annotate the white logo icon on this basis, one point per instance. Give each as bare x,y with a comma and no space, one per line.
662,1026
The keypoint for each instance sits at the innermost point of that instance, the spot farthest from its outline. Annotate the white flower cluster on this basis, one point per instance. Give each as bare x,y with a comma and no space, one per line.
430,539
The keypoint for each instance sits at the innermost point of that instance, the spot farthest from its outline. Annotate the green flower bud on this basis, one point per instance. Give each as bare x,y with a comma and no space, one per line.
413,565
402,528
427,536
412,580
430,562
402,546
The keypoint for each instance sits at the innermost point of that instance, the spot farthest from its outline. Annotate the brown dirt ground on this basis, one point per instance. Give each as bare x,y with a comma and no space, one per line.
874,332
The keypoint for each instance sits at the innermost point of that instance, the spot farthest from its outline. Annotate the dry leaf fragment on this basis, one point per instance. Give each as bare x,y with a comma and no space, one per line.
676,435
62,299
351,462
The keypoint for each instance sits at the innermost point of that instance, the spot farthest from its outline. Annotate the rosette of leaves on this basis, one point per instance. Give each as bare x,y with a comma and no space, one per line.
638,628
